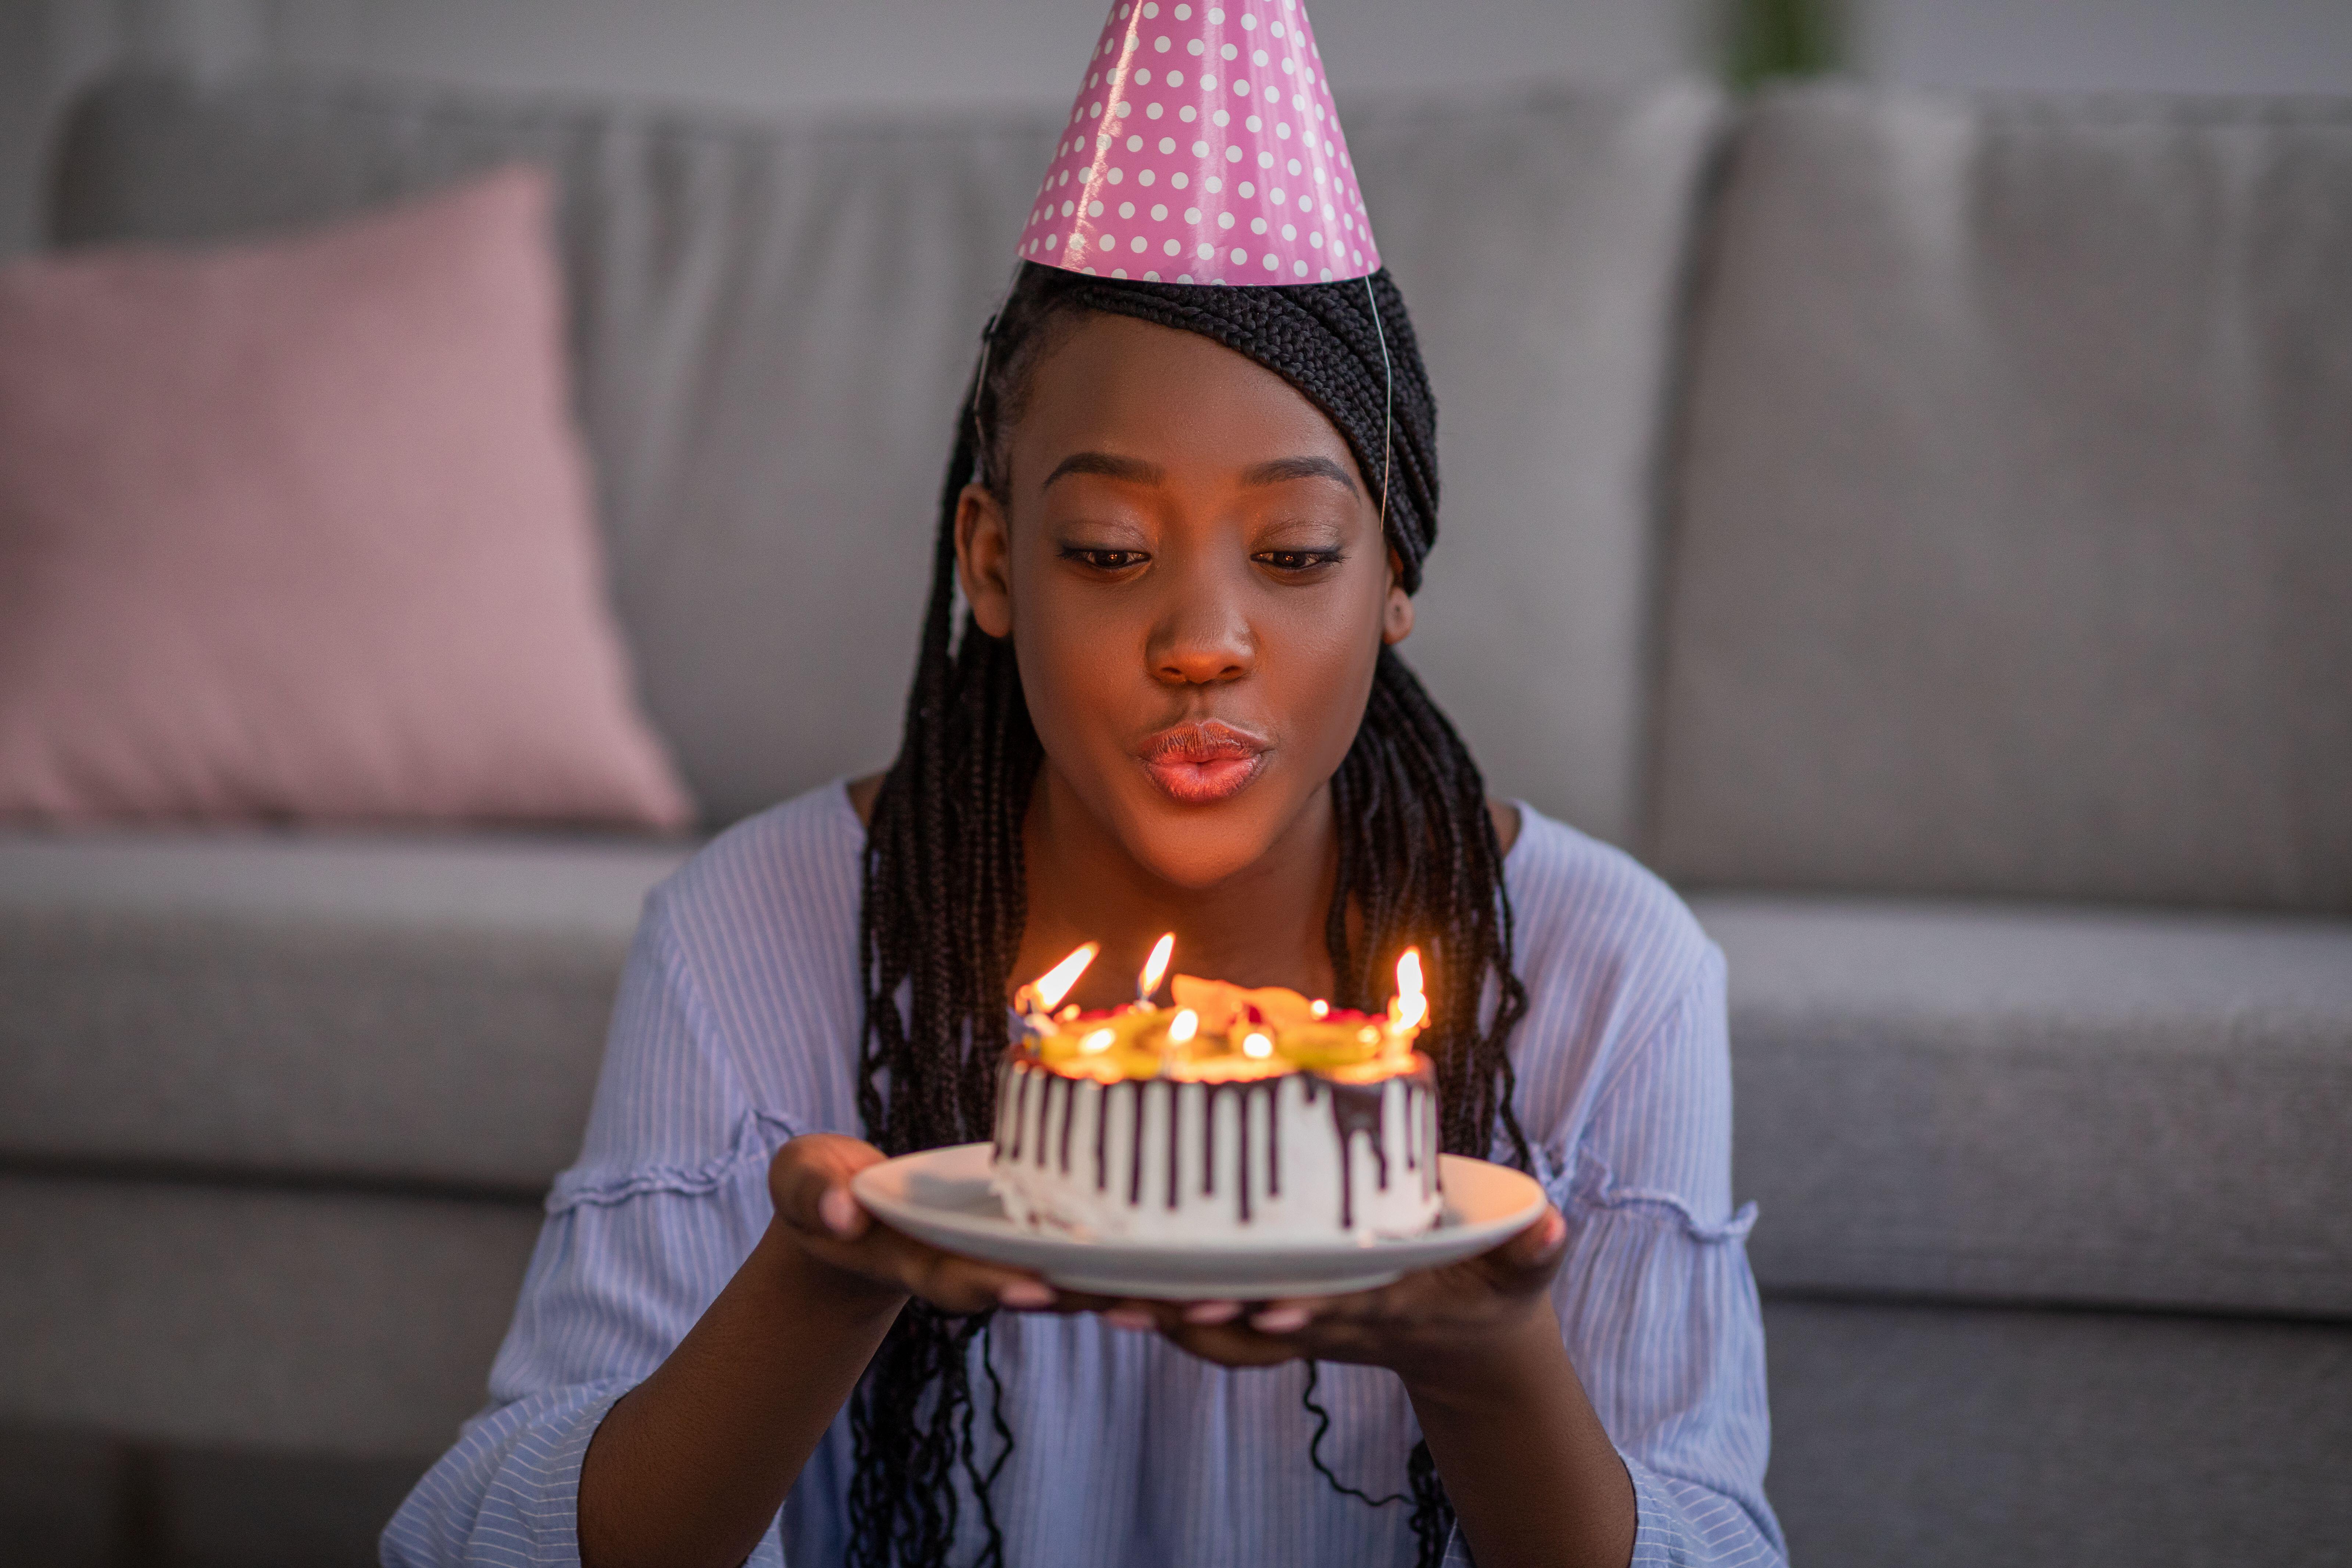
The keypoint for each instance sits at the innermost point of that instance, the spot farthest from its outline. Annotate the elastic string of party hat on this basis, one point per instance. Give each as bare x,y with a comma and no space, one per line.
979,385
1388,400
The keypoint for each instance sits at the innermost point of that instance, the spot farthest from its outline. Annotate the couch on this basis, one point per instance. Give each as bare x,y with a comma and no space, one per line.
1920,526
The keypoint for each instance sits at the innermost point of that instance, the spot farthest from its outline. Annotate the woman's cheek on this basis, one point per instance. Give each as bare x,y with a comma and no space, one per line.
1083,685
1319,669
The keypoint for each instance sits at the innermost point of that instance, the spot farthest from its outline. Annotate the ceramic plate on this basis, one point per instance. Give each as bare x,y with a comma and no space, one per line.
941,1196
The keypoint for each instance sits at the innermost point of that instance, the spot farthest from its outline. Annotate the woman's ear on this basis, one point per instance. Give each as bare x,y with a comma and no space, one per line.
1396,615
984,559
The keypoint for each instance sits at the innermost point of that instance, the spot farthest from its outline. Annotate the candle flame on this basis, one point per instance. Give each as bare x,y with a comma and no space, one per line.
1183,1026
1056,983
1320,1008
1098,1042
1258,1045
1154,967
1412,1006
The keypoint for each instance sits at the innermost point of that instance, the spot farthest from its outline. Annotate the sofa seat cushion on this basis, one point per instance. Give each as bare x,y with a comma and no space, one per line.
413,1009
2043,1103
1947,1436
361,1324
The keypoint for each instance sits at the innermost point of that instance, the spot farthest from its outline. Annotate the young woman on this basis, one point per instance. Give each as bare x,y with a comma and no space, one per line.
1188,522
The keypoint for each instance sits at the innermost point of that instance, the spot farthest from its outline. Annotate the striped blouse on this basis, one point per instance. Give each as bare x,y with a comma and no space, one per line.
737,1027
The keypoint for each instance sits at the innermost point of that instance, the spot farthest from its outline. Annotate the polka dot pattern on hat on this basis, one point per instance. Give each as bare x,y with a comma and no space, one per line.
1263,154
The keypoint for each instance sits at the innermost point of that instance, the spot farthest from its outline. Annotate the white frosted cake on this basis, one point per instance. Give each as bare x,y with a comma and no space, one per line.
1234,1114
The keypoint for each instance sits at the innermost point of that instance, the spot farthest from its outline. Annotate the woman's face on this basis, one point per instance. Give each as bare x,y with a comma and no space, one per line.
1194,580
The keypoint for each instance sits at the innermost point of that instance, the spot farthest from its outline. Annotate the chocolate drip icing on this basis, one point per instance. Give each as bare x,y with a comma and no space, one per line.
1173,1146
1021,1081
1102,1141
1241,1145
1209,1137
1273,1139
1358,1108
1134,1087
1069,1088
1246,1092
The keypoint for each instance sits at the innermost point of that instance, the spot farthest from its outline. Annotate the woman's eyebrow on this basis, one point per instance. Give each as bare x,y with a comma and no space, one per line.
1108,466
1282,469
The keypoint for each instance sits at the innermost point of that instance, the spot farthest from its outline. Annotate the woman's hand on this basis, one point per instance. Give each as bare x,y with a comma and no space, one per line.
1531,1473
690,1466
1431,1328
820,1223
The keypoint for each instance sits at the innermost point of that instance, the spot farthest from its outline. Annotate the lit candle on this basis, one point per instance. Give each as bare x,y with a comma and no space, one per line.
1216,1030
1409,1008
1180,1032
1036,1001
1153,968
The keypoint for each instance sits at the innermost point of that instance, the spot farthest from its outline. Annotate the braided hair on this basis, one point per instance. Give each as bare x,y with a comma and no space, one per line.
944,891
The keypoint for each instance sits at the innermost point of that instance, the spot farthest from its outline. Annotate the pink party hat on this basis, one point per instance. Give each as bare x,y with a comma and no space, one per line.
1204,149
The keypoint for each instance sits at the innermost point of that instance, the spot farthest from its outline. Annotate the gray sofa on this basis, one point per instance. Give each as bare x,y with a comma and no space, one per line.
1921,527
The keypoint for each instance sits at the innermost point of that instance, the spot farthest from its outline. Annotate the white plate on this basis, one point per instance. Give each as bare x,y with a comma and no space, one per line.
941,1196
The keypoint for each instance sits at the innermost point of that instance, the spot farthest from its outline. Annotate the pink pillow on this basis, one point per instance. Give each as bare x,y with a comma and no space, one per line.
302,530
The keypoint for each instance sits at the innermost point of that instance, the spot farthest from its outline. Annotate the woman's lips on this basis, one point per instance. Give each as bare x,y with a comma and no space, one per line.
1199,764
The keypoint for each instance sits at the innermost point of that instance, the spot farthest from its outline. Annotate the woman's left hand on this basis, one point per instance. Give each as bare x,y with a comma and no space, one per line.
1529,1468
1424,1326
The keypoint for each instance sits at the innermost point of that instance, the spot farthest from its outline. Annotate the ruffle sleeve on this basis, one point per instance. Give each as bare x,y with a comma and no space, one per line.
668,1198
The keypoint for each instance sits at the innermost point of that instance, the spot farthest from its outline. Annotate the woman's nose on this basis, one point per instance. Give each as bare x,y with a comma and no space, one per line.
1202,638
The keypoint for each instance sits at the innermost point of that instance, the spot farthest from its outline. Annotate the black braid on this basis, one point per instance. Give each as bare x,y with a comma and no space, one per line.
944,899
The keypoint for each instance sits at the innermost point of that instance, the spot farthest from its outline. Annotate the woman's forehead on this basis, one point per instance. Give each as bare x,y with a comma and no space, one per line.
1158,396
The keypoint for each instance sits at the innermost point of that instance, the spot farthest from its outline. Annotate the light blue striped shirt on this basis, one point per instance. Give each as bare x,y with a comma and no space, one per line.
737,1027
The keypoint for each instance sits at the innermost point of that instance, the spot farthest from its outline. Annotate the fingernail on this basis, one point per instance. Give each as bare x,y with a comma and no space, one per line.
1554,1228
1030,1294
1133,1317
837,1209
1212,1311
1281,1319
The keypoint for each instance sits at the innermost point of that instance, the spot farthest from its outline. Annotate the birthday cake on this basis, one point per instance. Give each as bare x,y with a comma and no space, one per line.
1230,1113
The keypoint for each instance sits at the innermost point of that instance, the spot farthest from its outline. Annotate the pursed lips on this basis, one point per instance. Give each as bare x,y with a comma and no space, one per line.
1203,763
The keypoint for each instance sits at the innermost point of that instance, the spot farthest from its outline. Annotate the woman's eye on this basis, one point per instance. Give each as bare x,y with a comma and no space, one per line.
1105,560
1295,560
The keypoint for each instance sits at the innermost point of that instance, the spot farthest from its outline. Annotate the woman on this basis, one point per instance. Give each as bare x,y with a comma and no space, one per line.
1188,522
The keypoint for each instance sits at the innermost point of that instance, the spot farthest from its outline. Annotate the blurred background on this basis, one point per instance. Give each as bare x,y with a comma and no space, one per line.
771,55
1900,453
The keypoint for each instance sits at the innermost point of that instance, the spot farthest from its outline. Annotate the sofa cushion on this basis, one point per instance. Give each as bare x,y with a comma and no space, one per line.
2042,1104
1955,1436
391,1009
773,325
2011,556
299,530
339,1323
1534,628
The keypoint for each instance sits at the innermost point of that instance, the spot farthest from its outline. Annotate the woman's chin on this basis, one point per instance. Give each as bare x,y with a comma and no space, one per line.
1197,847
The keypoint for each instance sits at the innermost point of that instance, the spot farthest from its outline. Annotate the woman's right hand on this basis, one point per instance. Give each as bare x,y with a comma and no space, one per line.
820,1220
691,1465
